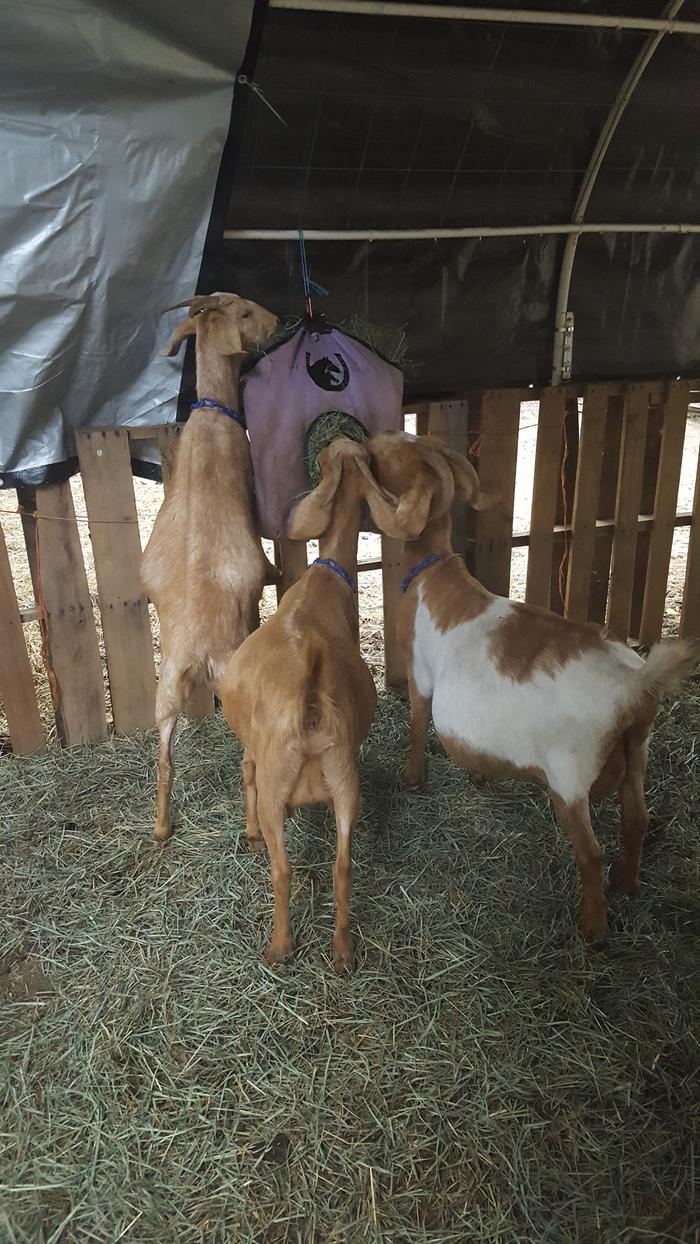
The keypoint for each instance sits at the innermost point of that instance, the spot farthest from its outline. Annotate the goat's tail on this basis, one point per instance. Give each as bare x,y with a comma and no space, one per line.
318,710
668,665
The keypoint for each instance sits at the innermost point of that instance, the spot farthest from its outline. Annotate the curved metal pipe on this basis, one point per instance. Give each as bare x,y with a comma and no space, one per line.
514,17
612,121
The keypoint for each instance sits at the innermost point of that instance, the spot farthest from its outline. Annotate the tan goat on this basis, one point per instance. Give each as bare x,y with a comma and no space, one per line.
204,566
517,690
298,694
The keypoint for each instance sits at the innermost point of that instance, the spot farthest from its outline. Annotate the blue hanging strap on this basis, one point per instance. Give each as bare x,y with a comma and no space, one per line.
307,283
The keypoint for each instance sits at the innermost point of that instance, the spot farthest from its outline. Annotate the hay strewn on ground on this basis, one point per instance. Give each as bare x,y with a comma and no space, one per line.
480,1078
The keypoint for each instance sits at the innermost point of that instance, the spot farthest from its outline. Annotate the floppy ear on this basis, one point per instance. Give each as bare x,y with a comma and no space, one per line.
224,334
382,506
312,515
187,328
466,480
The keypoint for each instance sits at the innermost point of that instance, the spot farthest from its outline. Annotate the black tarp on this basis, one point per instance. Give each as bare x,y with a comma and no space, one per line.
410,123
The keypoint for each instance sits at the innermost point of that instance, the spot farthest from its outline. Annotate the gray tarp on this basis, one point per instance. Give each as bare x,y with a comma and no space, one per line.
114,118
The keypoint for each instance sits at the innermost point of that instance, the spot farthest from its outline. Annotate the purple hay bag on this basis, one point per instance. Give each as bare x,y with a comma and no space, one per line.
287,389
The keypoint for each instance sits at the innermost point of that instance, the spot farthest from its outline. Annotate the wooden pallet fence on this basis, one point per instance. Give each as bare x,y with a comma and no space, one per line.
621,480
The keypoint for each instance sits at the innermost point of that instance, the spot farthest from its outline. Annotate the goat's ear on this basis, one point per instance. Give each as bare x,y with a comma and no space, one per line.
312,515
187,328
466,480
224,334
382,506
413,510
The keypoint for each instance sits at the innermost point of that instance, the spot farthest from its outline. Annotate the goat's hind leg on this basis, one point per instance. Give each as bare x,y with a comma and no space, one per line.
271,811
253,832
634,818
341,776
575,819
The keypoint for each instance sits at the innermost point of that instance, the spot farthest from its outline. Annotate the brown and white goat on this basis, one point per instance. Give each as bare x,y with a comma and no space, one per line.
204,566
298,694
515,689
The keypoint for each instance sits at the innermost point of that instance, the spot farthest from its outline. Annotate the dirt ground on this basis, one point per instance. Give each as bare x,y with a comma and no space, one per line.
149,498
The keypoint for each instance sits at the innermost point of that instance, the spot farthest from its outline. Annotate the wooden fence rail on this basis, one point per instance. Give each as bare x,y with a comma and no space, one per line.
608,461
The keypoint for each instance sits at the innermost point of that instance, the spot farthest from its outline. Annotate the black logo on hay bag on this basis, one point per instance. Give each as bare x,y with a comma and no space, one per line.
333,377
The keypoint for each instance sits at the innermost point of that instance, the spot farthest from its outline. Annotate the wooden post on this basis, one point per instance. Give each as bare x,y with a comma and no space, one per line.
16,680
690,613
660,539
70,646
292,558
394,661
564,507
497,420
586,502
602,552
548,455
168,436
105,464
449,423
629,491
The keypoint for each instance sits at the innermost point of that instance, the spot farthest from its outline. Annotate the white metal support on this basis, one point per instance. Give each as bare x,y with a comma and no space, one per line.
461,13
470,231
612,121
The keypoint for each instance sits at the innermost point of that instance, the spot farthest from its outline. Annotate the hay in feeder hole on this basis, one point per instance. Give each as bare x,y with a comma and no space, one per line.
326,428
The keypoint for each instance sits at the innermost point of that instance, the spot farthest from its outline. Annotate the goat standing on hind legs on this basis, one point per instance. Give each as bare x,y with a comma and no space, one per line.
516,689
298,694
204,567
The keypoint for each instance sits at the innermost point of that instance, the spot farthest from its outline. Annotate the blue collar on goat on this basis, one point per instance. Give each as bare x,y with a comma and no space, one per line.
328,561
210,403
413,573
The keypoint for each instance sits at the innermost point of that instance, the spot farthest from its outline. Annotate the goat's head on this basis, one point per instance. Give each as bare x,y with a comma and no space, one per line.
425,476
233,325
343,461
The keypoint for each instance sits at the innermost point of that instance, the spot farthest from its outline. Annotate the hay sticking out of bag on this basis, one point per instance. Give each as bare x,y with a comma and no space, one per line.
325,429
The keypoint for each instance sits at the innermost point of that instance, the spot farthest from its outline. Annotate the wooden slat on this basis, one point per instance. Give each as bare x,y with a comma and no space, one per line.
690,612
652,455
167,443
292,559
423,419
448,422
607,492
585,507
105,465
71,649
629,491
564,506
16,681
665,501
395,665
544,497
498,420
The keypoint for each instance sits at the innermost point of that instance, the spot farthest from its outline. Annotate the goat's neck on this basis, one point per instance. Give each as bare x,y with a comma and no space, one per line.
436,538
218,375
339,541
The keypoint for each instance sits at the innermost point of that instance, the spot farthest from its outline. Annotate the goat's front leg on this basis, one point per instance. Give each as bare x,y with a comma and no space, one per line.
575,818
271,814
166,728
414,773
341,775
253,833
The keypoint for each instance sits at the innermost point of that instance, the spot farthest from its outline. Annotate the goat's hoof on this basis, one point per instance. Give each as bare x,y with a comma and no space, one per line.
276,954
412,779
622,880
162,834
594,933
343,959
255,844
